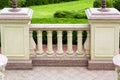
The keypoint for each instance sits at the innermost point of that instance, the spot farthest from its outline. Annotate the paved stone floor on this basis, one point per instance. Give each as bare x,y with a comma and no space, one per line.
60,73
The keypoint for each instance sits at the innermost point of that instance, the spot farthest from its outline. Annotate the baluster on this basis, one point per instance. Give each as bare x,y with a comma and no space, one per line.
59,43
79,43
69,43
39,39
32,43
49,43
87,44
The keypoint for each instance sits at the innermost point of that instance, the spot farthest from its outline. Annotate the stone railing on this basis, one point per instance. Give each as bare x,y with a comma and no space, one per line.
17,44
82,50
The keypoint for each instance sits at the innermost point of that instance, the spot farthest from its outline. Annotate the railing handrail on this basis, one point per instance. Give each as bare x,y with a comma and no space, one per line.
59,26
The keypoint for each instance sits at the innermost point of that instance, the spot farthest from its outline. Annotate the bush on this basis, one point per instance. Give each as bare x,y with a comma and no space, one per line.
80,14
4,3
42,2
98,3
64,14
21,3
70,14
116,4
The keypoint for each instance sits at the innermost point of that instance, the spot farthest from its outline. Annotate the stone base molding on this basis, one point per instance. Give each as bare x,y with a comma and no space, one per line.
60,62
100,65
19,65
77,62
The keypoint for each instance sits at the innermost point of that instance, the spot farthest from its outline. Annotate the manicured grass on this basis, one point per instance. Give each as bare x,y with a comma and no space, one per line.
44,13
58,20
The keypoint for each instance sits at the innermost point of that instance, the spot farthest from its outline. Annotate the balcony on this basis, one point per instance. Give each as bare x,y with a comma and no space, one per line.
95,52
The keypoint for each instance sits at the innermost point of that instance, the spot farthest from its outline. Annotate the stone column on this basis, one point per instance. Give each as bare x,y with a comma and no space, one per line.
15,37
104,37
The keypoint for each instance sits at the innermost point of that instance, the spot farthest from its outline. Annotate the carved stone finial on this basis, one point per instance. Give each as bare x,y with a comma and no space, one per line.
14,3
103,9
14,6
103,3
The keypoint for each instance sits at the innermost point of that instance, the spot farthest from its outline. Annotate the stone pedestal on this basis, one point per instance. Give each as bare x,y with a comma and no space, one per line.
116,61
104,37
15,36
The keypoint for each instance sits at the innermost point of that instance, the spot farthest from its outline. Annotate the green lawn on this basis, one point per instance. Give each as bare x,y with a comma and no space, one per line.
44,13
58,20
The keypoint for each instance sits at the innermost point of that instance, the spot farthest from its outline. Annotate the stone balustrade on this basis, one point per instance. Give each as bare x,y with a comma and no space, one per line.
59,28
101,44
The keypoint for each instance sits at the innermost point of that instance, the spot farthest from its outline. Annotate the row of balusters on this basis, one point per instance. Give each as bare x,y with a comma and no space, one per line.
60,52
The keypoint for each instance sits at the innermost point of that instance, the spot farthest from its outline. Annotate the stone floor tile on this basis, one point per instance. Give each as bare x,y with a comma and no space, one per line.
60,73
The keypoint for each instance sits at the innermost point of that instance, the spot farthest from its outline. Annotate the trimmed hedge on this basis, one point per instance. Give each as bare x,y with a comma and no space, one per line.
21,3
4,3
97,3
42,2
116,4
70,14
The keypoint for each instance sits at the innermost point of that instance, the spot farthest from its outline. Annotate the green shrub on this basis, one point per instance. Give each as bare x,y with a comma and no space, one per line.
35,36
97,3
64,14
4,3
74,37
116,4
64,37
80,14
42,2
70,14
21,3
84,36
54,37
109,3
30,2
44,37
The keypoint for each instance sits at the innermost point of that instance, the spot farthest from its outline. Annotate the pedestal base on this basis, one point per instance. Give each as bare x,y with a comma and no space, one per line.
19,65
100,65
76,62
